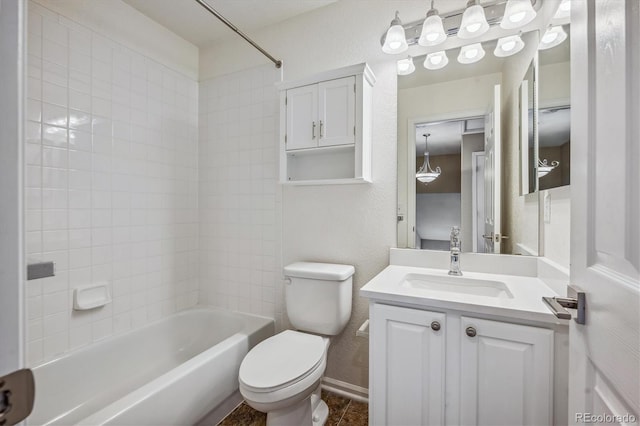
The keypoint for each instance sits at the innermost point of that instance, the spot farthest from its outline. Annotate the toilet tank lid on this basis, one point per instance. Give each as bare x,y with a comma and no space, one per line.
319,271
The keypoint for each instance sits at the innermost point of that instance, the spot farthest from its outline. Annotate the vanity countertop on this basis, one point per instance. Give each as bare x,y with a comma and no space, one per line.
513,296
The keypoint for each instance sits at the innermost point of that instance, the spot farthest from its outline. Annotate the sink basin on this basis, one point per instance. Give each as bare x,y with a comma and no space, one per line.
459,285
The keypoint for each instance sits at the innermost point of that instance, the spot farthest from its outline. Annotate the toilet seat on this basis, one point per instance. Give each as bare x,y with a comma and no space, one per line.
283,361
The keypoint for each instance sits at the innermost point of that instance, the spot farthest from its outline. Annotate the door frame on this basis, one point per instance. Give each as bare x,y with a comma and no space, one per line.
12,100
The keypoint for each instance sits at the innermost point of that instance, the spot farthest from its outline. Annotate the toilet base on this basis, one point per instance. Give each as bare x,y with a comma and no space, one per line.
311,411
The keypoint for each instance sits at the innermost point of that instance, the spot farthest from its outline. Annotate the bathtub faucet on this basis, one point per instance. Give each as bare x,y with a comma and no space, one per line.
454,245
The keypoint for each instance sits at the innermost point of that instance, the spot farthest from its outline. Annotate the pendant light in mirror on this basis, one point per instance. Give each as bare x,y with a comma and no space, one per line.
436,60
406,66
395,40
426,174
517,13
552,38
474,22
508,46
432,29
471,53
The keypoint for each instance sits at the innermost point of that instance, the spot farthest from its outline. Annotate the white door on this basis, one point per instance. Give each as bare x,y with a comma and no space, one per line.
407,366
302,117
477,201
604,376
337,113
506,374
492,175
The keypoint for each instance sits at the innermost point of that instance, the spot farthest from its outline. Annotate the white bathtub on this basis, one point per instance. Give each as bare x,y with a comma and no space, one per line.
171,372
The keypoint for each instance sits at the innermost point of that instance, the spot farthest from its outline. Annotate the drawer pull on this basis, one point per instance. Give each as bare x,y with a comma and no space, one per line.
435,326
471,332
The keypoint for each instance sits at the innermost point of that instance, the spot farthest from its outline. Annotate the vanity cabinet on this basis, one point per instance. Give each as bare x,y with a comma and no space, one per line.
325,127
437,368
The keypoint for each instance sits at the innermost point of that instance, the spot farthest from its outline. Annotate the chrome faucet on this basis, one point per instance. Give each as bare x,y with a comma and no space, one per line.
454,244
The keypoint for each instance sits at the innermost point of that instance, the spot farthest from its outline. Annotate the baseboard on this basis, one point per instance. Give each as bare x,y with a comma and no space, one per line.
345,389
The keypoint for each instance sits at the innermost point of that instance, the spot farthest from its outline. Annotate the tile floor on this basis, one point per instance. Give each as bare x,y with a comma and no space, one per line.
342,412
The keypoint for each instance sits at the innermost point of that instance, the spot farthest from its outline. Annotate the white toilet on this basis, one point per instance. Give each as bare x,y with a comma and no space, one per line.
281,375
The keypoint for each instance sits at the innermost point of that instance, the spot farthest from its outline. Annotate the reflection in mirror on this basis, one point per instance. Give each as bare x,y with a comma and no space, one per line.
554,116
479,171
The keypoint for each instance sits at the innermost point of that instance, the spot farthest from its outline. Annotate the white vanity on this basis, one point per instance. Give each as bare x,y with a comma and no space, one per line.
478,349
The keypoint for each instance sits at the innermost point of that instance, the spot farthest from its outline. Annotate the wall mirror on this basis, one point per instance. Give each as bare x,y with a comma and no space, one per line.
546,147
466,143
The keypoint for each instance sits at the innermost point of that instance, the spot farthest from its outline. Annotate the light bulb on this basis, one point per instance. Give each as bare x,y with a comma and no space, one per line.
508,46
432,30
406,66
436,60
552,37
474,22
395,40
517,13
471,53
564,10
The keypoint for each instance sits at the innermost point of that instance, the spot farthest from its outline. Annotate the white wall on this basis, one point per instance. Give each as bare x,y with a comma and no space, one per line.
239,196
11,174
436,214
111,179
351,224
556,228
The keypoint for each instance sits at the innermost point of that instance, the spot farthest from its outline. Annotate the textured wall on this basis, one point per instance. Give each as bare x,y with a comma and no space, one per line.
111,179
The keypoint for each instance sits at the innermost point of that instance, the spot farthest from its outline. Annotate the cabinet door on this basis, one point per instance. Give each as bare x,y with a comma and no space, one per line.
302,117
408,367
337,117
506,375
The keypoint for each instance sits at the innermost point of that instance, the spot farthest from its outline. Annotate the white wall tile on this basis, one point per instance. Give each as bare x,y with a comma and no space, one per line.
95,98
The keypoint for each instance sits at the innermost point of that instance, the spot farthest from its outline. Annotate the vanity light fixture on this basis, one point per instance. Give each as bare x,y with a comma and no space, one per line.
474,22
432,30
517,13
508,46
436,60
564,10
544,168
552,37
395,40
471,53
406,66
426,174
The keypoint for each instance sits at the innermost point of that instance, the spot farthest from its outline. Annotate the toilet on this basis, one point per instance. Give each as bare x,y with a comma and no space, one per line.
281,375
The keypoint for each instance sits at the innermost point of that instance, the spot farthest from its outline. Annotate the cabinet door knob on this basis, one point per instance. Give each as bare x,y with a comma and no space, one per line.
435,326
471,332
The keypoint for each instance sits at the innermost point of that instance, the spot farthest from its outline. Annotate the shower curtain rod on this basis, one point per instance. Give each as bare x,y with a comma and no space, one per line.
224,20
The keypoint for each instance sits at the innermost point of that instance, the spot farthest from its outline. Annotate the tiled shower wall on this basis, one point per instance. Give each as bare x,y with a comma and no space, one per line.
239,195
111,185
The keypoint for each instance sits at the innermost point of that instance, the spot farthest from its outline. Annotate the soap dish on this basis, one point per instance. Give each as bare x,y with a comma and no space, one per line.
91,296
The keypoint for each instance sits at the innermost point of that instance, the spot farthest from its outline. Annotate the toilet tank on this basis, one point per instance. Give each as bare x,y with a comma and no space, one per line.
318,296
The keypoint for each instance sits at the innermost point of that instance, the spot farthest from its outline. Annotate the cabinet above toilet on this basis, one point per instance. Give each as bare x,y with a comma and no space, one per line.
325,127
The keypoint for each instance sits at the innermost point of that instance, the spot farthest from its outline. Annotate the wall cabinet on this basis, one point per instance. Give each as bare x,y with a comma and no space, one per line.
443,368
325,127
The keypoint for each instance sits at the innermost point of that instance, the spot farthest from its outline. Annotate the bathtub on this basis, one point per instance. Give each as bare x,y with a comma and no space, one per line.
175,371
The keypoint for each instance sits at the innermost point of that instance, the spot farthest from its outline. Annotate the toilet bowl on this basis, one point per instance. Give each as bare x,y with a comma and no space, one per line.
281,375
